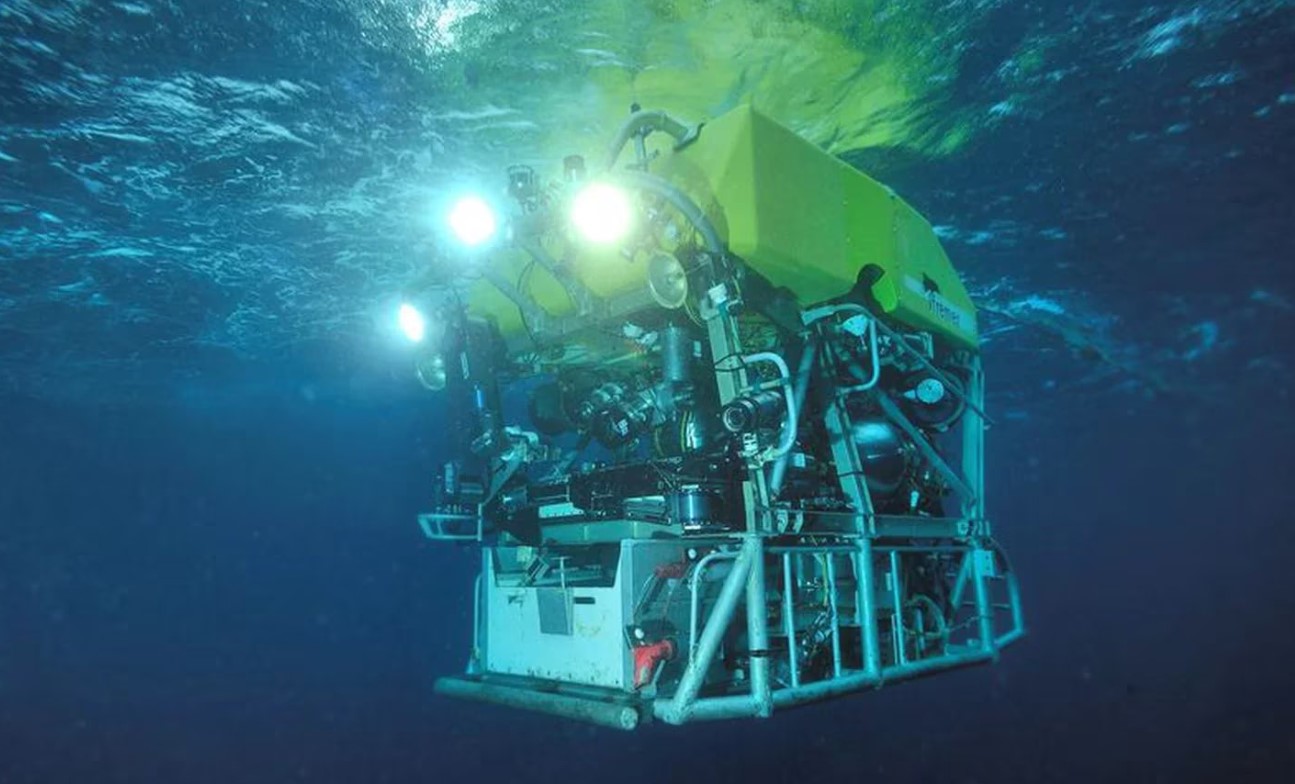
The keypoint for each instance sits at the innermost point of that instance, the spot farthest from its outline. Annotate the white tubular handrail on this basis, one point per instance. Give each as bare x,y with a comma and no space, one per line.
818,314
872,355
693,580
678,708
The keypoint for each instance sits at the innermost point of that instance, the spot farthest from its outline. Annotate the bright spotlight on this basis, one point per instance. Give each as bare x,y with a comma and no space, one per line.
602,213
412,323
473,221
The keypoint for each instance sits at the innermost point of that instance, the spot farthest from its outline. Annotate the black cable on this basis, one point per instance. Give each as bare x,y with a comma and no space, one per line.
741,363
521,312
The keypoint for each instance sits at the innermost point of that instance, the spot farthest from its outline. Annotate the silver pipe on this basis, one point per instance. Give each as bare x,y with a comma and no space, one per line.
757,629
580,296
829,574
820,690
960,582
432,525
1009,638
897,603
718,708
692,590
867,609
678,709
811,549
846,548
607,714
651,121
973,456
801,391
1018,615
789,617
876,362
474,664
506,287
813,692
982,605
818,314
640,151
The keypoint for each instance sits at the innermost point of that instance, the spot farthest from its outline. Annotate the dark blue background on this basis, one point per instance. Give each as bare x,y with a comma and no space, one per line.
242,595
211,459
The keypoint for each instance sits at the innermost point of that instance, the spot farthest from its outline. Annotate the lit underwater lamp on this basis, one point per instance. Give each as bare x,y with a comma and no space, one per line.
473,221
602,213
412,322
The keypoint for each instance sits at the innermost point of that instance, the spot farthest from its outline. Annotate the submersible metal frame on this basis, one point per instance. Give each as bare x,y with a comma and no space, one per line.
793,605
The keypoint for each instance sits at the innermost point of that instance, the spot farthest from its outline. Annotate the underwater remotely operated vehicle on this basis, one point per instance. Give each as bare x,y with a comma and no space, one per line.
717,423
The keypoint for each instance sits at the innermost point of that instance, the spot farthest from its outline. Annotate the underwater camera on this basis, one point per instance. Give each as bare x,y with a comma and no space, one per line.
716,421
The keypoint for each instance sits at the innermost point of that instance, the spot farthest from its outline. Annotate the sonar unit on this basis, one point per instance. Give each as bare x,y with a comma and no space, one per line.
715,417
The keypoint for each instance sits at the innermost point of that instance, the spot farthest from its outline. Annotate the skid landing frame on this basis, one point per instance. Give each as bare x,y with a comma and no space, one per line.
857,582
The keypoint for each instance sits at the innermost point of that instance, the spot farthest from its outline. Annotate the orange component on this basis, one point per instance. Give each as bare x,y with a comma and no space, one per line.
647,658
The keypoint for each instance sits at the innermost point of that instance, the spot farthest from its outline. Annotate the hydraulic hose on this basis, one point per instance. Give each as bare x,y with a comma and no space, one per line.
676,198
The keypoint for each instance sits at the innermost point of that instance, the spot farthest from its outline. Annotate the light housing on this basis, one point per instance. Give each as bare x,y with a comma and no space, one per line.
412,322
602,213
473,221
432,372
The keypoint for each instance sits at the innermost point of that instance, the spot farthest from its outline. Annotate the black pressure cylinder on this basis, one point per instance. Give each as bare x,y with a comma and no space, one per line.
675,354
753,412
